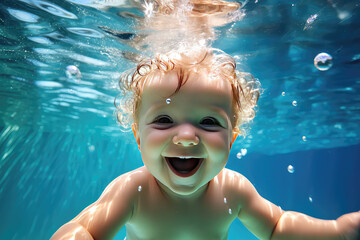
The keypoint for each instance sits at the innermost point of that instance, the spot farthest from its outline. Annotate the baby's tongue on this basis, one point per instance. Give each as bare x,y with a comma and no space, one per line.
184,165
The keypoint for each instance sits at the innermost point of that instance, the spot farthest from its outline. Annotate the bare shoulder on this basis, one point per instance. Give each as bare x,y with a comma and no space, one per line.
233,179
114,208
130,181
238,185
124,186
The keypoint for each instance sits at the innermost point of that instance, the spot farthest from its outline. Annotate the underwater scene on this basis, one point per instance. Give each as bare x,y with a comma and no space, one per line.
60,141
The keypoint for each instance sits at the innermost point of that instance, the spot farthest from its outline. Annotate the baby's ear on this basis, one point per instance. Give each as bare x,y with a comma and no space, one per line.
235,134
136,135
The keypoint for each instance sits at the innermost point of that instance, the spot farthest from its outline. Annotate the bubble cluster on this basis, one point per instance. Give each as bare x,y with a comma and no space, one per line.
323,61
291,169
242,153
310,20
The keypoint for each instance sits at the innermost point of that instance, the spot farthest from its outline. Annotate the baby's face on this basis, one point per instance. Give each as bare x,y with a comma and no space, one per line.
185,139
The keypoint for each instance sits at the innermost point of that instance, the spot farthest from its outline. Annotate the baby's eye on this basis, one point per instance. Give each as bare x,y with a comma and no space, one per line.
210,122
163,119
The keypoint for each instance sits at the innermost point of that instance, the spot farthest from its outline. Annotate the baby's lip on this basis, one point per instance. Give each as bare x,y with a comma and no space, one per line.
184,166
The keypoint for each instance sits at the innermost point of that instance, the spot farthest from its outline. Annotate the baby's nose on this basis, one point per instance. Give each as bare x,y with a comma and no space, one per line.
186,136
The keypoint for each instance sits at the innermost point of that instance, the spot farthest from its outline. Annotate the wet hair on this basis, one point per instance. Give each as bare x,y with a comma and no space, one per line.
196,7
219,65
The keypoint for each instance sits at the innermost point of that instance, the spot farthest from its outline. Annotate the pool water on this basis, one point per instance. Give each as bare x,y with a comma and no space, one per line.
60,144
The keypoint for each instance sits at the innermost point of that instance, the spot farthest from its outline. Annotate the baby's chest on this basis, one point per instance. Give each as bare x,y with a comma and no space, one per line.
166,220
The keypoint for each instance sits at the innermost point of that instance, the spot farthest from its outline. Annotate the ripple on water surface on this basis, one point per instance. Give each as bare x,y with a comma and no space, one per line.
23,16
53,9
88,32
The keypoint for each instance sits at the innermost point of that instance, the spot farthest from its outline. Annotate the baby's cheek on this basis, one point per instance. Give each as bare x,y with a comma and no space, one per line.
153,140
218,143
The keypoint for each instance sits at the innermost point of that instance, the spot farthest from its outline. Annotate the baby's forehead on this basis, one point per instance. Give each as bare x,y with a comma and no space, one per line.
199,88
196,81
163,83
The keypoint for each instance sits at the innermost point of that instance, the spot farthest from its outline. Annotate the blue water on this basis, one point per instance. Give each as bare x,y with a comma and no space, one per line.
60,144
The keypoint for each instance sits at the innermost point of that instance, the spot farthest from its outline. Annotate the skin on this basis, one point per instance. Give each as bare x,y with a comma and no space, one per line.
197,123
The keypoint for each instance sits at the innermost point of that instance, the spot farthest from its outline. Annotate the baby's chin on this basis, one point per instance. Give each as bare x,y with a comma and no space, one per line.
182,189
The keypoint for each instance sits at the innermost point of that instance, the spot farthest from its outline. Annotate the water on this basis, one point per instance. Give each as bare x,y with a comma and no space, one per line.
60,144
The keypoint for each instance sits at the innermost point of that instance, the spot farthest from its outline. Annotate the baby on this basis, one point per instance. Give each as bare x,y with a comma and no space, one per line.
187,110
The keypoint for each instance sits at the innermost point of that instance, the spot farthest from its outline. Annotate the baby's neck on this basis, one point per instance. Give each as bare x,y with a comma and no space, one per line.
169,194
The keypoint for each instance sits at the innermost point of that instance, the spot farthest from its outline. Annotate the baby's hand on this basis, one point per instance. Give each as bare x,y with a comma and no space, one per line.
349,225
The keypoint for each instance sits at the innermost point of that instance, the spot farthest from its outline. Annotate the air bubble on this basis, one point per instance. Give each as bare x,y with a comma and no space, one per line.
168,101
225,201
243,151
72,72
91,148
230,211
304,138
310,199
238,155
283,93
139,188
323,61
291,169
294,103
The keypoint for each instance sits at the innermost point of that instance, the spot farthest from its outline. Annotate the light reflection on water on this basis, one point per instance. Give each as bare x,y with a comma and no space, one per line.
101,41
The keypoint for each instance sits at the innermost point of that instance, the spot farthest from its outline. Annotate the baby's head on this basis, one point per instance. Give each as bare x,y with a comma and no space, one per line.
218,67
187,109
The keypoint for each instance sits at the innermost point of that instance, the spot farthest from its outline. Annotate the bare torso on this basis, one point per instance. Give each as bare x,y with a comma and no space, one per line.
136,200
158,216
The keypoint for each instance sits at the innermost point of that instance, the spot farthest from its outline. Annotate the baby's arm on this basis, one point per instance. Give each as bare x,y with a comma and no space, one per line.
267,221
104,218
294,225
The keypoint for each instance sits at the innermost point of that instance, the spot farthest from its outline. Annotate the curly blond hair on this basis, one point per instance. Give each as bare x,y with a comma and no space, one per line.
219,65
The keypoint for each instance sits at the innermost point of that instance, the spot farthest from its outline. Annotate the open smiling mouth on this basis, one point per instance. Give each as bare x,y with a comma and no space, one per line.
184,166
